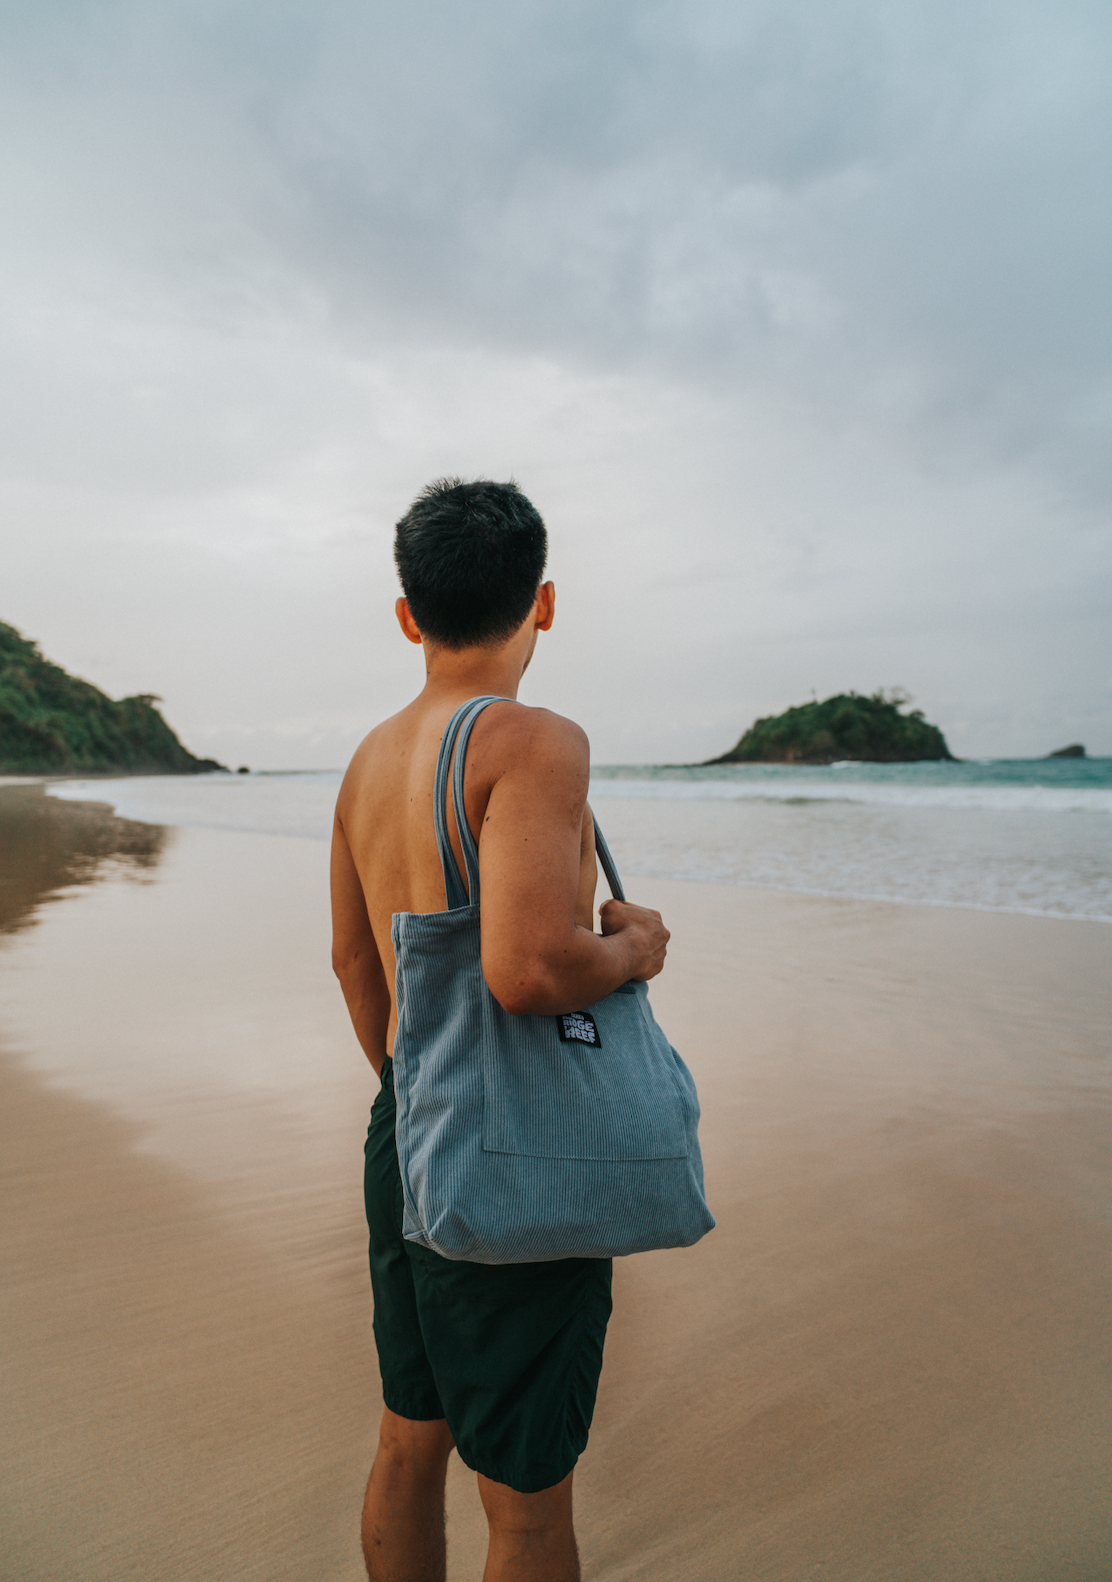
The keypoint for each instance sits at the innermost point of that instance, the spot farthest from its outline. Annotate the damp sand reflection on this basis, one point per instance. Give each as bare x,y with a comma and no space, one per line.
892,1358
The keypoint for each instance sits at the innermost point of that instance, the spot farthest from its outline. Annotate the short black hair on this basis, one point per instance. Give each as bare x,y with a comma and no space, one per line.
470,557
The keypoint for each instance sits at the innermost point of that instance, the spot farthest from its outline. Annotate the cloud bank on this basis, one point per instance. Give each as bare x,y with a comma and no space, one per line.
792,319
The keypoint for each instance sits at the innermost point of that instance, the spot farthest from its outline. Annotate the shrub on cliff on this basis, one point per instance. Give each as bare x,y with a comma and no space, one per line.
52,723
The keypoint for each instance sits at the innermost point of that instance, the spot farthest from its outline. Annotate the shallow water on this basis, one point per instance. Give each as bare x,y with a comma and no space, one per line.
1019,836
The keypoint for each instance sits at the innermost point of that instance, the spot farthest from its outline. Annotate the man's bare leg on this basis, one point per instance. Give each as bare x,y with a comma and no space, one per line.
531,1535
403,1513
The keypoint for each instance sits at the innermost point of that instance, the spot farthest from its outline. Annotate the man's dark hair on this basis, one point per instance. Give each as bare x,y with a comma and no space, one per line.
470,557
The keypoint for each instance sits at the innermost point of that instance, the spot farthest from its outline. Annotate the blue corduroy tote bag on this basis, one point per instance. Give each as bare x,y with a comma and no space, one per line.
526,1138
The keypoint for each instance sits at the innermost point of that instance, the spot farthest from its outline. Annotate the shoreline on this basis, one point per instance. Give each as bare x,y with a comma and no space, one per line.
173,820
891,1358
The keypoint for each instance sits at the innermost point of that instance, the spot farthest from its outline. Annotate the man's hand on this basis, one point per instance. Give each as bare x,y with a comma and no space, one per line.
643,933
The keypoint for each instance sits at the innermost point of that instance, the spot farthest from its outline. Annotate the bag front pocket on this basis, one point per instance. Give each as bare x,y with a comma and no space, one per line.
545,1098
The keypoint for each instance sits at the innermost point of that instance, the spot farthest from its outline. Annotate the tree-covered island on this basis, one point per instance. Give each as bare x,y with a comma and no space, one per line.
845,727
52,723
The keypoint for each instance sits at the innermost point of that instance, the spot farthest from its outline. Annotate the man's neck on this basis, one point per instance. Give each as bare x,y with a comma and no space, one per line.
473,672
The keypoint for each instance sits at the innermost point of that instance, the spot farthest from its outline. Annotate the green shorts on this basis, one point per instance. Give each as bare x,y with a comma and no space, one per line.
510,1354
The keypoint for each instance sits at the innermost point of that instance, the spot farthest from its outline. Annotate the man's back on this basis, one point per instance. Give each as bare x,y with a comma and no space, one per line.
525,769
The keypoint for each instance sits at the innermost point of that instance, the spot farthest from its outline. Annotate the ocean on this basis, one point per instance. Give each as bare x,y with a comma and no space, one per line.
1026,835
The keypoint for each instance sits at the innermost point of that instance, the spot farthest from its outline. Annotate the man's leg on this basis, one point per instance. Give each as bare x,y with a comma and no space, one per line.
531,1535
403,1513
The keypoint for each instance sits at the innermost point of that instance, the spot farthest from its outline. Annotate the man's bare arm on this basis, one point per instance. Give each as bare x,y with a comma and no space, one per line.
355,958
535,957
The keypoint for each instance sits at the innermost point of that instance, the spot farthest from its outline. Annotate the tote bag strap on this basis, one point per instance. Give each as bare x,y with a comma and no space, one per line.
454,892
607,863
457,734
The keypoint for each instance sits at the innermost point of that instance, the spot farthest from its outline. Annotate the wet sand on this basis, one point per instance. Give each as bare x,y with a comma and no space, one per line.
892,1359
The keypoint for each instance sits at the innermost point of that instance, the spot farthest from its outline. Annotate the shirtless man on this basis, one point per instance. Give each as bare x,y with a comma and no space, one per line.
500,1362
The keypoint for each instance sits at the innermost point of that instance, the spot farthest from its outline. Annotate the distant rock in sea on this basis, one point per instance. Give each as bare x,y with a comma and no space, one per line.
1074,751
847,726
51,723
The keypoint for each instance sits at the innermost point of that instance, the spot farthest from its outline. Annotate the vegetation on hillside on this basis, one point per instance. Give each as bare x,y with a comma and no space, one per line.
52,723
848,726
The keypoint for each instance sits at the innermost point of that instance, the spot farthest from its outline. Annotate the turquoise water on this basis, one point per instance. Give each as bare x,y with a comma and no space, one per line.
1035,782
1020,835
1017,835
1070,772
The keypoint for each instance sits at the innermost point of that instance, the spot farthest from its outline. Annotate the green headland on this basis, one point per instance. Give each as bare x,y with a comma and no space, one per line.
868,730
52,723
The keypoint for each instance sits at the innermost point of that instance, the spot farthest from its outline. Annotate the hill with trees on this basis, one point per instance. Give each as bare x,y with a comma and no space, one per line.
52,723
865,729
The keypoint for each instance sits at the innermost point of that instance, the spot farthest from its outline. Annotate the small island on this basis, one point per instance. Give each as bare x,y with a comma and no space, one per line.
51,723
845,727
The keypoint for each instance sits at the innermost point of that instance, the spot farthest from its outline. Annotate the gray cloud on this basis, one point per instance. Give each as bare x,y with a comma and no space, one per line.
793,317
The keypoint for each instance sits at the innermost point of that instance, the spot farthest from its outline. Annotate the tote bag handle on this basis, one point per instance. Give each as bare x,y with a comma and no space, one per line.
459,729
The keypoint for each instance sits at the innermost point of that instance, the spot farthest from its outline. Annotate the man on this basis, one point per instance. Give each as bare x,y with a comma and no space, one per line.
501,1362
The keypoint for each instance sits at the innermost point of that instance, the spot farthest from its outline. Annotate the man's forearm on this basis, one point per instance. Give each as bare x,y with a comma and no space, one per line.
584,968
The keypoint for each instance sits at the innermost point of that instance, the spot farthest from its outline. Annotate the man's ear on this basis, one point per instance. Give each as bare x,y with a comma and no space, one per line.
406,622
545,607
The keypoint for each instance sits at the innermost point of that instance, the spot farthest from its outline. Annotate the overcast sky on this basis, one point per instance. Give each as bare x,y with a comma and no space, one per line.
792,318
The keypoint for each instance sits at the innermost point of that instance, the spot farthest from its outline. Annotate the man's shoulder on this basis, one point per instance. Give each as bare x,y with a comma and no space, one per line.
529,723
385,748
378,738
506,735
522,733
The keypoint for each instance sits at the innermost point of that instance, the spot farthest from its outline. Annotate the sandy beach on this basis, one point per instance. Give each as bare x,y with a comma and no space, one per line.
891,1360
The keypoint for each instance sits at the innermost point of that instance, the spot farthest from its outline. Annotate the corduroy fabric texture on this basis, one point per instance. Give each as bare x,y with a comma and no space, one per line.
515,1146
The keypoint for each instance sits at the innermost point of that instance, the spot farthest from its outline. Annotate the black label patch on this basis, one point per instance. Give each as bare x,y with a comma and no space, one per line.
579,1027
